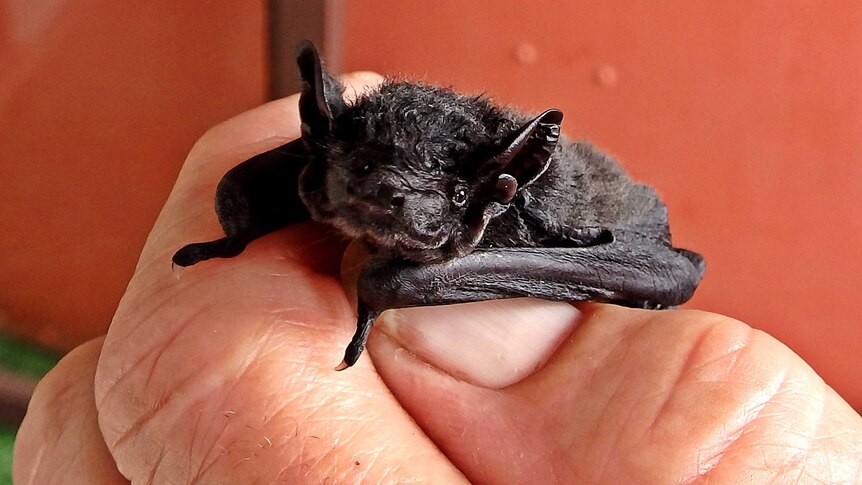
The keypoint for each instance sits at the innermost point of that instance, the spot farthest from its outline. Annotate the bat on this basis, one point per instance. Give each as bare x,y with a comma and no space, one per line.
457,199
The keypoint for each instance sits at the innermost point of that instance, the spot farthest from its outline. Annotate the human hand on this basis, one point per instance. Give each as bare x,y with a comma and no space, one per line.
225,376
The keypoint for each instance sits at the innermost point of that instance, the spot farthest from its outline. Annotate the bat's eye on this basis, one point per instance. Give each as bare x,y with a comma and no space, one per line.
365,168
460,197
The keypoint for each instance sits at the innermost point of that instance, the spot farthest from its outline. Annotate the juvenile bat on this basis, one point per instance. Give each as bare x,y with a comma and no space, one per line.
459,200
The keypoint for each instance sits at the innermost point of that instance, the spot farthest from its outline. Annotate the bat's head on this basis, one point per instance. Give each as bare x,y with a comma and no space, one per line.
416,171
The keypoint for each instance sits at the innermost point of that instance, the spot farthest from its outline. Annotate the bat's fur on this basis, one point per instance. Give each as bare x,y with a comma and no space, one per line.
430,142
461,200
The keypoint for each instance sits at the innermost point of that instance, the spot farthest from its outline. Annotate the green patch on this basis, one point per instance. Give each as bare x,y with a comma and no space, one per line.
25,359
7,443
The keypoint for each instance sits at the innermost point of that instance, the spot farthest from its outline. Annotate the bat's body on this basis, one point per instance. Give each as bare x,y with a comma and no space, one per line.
583,195
459,201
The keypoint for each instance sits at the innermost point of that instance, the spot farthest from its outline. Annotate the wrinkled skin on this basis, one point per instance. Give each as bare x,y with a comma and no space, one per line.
225,376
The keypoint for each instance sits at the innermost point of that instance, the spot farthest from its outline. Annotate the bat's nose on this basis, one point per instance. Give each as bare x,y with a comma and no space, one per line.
388,196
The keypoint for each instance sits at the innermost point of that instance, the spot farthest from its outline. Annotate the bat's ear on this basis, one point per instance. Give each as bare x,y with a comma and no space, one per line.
525,156
321,98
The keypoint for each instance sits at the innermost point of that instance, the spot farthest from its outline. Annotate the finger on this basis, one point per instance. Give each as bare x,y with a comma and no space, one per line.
226,374
637,397
59,440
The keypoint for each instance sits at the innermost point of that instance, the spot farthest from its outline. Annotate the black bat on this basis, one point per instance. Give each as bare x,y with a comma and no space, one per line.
459,200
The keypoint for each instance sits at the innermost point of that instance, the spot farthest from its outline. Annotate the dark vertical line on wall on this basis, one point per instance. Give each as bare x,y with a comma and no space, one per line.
291,21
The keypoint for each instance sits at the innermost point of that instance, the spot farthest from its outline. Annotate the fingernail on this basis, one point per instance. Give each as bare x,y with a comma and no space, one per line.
492,344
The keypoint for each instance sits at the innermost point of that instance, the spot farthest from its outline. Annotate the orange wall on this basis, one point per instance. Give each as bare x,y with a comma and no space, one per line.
746,116
100,101
747,119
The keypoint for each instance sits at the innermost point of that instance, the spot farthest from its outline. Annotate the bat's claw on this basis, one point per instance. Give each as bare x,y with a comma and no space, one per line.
351,354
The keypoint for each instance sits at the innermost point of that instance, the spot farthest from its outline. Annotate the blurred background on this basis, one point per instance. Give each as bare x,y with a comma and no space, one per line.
747,117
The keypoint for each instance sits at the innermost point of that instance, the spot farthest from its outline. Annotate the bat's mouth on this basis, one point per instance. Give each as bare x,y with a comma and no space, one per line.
381,228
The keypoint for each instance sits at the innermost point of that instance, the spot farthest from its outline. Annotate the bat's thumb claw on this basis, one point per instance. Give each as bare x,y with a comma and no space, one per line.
343,365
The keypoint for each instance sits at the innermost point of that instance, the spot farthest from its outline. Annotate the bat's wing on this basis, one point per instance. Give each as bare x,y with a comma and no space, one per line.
262,194
254,198
636,273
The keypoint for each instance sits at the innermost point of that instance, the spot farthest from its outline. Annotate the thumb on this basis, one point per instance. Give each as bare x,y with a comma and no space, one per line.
478,378
488,344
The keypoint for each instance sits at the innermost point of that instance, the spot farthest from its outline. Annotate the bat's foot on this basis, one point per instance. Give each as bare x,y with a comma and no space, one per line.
191,254
357,343
354,349
226,247
696,259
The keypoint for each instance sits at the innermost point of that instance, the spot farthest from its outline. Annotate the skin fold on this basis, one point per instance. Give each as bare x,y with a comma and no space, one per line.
224,375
